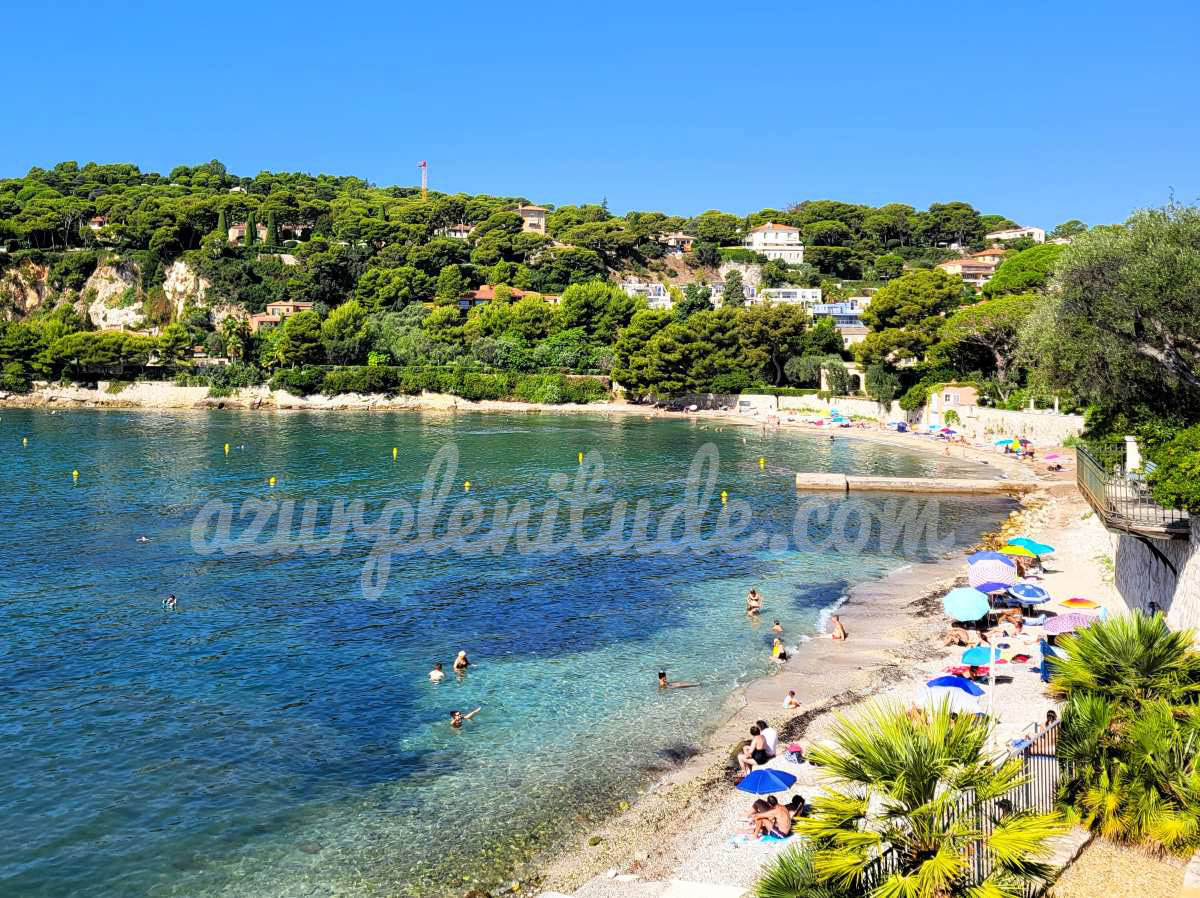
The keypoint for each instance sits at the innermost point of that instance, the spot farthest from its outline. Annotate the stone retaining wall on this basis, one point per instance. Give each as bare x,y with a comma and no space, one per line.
1142,578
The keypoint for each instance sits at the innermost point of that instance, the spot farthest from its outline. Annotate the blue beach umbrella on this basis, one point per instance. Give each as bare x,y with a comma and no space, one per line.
991,586
765,780
951,682
953,699
965,603
980,655
1028,593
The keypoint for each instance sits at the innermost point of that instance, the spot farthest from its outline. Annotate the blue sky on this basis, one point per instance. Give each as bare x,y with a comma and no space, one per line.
1042,112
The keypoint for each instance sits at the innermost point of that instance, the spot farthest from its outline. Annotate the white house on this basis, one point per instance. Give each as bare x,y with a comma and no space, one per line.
460,231
777,242
533,219
804,296
658,296
1037,235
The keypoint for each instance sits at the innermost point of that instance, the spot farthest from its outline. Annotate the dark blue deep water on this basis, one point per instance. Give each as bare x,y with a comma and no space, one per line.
277,735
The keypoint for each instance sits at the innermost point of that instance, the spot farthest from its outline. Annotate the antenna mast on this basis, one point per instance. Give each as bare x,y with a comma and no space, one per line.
424,167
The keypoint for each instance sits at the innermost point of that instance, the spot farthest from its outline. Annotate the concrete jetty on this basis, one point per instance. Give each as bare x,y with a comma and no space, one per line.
825,482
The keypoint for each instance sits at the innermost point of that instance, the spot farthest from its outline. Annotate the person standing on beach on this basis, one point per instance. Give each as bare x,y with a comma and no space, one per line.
839,631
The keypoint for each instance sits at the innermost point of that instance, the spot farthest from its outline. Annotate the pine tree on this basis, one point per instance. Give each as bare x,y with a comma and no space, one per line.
272,233
251,230
734,295
222,227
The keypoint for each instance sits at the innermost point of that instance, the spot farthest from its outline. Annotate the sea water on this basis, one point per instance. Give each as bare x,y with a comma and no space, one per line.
277,734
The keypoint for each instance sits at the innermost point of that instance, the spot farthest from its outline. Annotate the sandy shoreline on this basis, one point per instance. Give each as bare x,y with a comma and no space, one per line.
679,827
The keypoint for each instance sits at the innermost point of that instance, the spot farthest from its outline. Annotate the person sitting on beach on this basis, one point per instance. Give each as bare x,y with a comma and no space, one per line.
760,806
770,737
754,603
795,806
457,717
436,675
755,752
461,663
839,631
776,627
775,821
778,650
790,701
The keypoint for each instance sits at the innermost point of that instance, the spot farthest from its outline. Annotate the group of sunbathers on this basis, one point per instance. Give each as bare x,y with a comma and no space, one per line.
770,818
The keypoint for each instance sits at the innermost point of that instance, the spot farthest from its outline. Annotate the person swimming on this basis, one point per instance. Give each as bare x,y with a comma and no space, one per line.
461,662
777,627
754,602
143,539
664,683
458,717
437,674
170,602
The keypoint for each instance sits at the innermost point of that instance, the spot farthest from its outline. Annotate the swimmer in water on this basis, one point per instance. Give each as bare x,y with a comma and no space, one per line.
170,602
461,663
777,627
457,717
754,602
663,683
143,539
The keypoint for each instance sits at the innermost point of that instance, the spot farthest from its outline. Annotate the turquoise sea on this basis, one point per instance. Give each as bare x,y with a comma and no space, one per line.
277,734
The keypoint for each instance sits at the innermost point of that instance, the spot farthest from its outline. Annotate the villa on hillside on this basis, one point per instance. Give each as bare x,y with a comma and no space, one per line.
971,271
237,233
96,222
533,219
657,296
845,316
804,296
780,243
1037,235
460,231
677,242
275,313
995,256
487,293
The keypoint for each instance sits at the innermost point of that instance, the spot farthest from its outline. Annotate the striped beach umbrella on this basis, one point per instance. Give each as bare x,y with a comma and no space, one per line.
996,574
1068,623
990,556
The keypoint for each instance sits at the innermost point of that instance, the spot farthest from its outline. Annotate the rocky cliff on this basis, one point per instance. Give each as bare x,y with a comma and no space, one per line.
113,298
23,288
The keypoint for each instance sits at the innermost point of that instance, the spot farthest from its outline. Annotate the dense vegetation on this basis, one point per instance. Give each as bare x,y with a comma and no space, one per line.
385,279
906,784
1130,731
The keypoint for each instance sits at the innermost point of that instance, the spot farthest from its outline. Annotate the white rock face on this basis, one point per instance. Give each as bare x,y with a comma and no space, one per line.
182,283
106,307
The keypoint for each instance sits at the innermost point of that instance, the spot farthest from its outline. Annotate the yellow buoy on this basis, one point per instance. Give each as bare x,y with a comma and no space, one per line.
75,475
271,481
581,458
394,453
226,448
762,462
724,497
467,486
24,441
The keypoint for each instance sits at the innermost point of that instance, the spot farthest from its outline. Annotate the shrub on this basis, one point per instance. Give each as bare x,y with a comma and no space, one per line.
14,378
1176,481
298,381
731,382
742,255
542,388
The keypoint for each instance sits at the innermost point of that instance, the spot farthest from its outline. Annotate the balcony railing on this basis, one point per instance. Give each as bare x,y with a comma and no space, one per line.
1122,498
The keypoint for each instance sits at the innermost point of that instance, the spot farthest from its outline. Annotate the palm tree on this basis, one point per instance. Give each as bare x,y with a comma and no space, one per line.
1130,735
917,790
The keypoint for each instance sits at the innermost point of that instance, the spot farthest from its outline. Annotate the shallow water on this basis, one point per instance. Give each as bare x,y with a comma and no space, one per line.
277,735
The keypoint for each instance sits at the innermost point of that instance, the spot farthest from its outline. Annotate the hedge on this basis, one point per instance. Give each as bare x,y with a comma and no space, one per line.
466,383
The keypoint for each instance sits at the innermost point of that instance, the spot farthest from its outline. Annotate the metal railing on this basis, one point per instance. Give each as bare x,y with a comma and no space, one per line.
1122,498
1041,771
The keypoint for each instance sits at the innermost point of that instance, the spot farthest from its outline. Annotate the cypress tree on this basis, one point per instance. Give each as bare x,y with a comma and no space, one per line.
222,227
272,233
251,230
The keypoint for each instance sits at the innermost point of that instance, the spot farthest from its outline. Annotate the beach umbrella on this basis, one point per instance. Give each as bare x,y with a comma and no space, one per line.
965,603
1052,456
990,556
980,655
1077,602
954,699
1028,593
1004,442
958,683
1017,551
764,780
1068,623
1032,545
990,575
